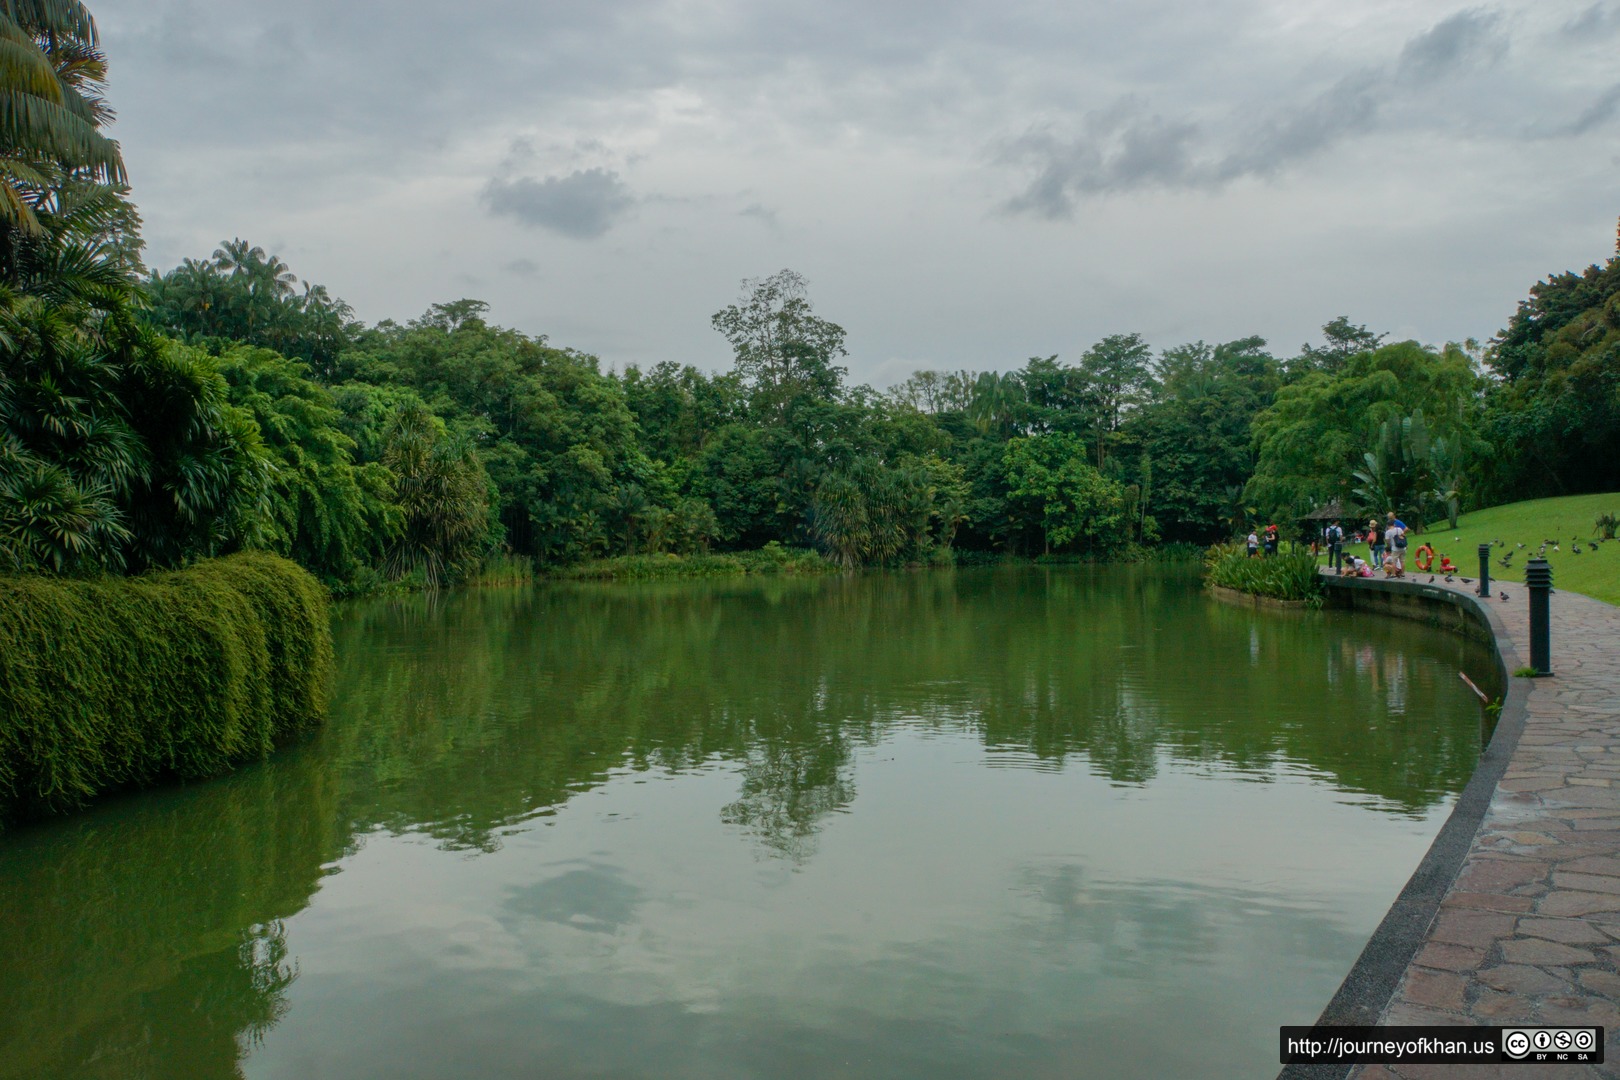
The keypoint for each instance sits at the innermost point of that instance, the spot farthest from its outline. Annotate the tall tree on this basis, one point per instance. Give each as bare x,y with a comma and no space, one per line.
1344,339
1116,378
782,349
1554,408
1071,503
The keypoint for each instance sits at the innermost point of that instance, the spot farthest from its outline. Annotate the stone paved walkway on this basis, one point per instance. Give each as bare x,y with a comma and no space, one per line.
1530,930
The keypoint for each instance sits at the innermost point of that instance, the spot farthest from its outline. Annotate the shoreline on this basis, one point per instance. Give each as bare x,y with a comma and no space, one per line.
1483,931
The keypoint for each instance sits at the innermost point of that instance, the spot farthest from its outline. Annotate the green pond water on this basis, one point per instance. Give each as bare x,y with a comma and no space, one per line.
992,823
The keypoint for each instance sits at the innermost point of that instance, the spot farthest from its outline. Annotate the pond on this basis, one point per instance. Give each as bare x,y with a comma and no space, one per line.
1020,821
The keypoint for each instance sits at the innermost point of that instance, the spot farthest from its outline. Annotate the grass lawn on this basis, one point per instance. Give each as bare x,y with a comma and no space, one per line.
1594,573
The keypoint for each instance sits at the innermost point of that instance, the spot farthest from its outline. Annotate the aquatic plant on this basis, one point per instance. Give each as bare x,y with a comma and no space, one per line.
1291,575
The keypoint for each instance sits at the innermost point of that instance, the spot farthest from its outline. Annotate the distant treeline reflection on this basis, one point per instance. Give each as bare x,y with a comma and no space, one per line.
788,677
470,714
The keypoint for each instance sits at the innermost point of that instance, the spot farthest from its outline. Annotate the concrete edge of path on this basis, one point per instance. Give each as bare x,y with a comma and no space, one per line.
1373,979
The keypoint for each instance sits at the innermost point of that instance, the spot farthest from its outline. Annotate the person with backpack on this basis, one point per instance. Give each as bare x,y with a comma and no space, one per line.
1334,535
1395,535
1375,543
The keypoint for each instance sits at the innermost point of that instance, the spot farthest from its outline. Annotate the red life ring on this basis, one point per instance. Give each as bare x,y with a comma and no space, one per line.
1424,557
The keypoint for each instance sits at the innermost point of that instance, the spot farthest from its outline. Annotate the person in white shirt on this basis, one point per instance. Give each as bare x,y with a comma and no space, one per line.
1395,539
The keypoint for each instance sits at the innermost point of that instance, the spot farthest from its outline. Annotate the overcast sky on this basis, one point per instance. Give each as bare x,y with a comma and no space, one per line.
964,183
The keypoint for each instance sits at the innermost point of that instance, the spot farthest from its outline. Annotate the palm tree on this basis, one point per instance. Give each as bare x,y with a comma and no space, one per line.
443,493
52,75
996,398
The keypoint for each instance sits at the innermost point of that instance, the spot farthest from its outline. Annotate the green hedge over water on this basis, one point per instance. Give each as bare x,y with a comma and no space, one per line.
127,681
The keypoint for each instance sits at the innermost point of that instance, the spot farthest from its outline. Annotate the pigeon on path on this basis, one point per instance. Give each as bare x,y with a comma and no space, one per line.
1504,596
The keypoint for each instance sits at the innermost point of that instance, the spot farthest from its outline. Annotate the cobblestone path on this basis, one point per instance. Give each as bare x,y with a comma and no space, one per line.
1530,930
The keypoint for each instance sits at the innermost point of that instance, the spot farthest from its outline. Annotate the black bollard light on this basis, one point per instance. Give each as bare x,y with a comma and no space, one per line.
1538,576
1485,571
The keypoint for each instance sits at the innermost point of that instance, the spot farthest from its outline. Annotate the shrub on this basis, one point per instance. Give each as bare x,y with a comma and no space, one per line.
1291,575
773,558
121,681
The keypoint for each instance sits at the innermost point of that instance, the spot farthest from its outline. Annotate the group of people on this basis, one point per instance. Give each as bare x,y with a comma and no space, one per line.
1266,537
1385,540
1386,543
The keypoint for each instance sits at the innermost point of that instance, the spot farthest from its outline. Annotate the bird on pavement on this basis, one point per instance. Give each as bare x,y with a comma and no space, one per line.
1431,579
1467,580
1504,596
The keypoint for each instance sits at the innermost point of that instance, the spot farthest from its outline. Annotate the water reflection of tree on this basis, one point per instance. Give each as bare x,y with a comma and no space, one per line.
463,719
121,920
788,788
503,704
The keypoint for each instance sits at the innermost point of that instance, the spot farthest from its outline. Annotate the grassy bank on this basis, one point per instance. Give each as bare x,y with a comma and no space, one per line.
773,558
129,681
1593,573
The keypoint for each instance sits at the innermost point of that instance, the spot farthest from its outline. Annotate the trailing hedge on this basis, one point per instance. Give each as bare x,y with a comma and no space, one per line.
127,681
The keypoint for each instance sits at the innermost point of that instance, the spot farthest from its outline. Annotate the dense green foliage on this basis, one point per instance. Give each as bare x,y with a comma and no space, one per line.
148,419
331,515
243,295
129,680
1554,409
1291,575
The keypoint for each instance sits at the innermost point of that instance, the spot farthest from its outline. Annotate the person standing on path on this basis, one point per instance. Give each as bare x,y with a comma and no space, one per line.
1335,543
1395,536
1375,543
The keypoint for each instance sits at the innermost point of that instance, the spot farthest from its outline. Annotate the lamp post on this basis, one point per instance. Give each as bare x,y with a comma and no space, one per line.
1485,571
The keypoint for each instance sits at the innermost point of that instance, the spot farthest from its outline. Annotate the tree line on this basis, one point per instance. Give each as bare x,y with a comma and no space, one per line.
149,418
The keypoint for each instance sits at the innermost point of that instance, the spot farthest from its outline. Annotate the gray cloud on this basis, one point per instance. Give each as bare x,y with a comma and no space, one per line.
1599,20
584,204
1348,107
1126,147
522,268
1596,114
762,214
1462,40
1122,147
